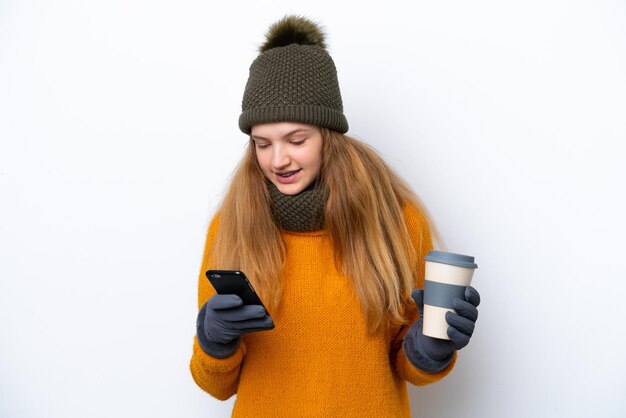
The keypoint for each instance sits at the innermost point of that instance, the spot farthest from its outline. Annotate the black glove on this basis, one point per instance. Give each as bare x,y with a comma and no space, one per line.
433,354
223,319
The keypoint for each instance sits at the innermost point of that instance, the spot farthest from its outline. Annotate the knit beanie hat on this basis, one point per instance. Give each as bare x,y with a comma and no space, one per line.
293,79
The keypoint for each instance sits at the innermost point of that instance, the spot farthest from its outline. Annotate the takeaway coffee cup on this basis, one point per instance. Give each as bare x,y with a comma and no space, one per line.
447,276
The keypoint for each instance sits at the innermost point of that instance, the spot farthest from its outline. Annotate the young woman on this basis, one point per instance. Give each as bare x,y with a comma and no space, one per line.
333,241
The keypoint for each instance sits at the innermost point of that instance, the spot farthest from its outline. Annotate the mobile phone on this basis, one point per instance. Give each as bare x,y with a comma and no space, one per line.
228,282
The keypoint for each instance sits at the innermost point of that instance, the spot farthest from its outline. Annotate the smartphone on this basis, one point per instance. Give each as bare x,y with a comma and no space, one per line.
228,282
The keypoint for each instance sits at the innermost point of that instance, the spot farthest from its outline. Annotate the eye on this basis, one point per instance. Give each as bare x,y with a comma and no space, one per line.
261,146
300,142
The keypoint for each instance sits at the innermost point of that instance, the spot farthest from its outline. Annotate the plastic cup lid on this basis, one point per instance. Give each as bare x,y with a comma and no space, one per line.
453,259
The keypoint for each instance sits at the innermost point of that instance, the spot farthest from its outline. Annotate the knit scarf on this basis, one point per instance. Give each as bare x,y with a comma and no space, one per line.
301,212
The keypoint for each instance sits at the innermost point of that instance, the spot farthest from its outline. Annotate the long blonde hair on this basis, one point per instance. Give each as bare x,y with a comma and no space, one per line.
363,214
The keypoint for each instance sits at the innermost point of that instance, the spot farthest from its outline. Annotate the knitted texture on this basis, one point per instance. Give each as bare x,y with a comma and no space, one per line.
319,361
301,212
293,83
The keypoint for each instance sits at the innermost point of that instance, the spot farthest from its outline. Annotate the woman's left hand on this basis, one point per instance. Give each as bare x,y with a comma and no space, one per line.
433,354
461,324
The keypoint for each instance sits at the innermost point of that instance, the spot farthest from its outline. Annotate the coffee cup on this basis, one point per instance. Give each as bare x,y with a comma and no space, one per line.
447,276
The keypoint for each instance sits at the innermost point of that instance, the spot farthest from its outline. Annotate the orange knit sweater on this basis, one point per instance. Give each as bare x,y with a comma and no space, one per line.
319,361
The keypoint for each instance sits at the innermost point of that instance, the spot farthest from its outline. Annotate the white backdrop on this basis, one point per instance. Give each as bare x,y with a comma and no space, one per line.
118,131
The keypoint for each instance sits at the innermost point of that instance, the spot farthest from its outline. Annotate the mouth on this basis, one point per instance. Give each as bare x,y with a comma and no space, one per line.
287,174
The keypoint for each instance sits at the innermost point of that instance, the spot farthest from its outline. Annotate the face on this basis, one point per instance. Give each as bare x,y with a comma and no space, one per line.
289,154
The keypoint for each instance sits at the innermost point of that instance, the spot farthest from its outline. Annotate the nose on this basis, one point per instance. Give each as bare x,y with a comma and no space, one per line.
280,157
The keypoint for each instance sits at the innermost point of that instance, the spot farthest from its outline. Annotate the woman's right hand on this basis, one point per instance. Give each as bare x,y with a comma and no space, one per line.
223,318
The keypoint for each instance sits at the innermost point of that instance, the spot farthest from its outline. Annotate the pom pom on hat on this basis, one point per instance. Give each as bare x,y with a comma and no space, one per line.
293,29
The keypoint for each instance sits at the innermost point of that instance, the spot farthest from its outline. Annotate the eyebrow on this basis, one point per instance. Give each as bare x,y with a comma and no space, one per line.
285,135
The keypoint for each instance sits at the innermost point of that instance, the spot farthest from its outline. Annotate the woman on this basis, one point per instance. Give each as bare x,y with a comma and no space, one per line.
333,241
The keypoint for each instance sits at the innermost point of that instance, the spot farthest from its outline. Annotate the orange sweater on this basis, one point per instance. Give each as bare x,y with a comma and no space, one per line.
319,361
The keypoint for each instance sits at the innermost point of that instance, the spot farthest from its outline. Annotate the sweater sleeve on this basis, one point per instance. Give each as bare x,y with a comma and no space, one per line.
422,242
218,377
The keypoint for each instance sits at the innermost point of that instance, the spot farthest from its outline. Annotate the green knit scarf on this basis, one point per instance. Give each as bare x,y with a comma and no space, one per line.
301,212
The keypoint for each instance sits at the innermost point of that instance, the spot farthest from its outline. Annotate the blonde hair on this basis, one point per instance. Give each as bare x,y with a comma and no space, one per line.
363,214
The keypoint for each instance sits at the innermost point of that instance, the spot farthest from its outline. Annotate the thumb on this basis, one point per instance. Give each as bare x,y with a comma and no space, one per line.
418,297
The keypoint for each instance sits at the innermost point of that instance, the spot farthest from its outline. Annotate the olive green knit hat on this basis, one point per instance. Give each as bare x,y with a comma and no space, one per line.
293,79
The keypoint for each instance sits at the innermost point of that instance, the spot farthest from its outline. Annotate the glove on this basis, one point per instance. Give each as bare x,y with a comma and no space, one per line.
223,319
433,354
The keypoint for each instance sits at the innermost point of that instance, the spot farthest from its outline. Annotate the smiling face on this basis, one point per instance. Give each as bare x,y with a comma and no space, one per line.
289,154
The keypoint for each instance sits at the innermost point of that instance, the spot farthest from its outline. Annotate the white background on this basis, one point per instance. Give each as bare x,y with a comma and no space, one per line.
118,132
